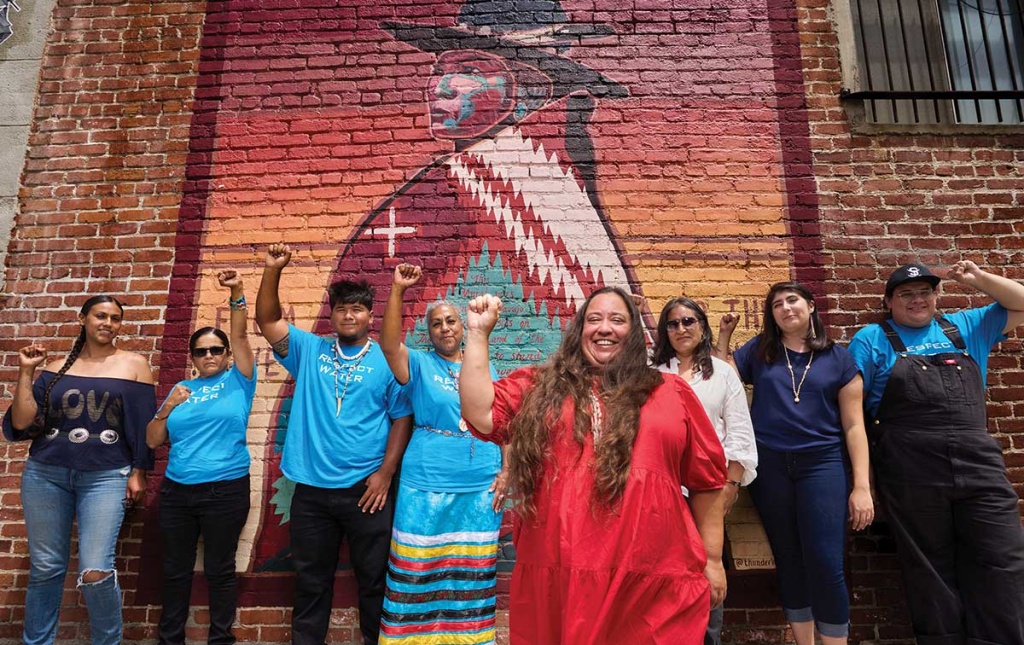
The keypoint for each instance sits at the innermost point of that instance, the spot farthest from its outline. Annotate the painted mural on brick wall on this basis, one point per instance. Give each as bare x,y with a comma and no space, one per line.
534,151
6,26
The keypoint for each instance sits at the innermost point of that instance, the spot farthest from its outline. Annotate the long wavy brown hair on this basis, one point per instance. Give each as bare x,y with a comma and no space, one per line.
623,385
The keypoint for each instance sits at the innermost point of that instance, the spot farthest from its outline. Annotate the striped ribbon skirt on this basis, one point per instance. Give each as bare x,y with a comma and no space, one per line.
441,575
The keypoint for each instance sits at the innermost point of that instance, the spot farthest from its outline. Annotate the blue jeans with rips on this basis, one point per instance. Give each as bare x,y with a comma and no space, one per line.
52,496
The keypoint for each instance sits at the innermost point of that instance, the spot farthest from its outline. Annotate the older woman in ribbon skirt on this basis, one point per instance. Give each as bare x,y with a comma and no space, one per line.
444,546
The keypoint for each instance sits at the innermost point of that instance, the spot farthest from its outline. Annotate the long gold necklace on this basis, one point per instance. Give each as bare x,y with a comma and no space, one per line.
792,377
353,365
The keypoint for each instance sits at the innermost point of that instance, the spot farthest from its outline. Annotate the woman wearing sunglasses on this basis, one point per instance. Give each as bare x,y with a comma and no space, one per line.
205,490
683,347
806,409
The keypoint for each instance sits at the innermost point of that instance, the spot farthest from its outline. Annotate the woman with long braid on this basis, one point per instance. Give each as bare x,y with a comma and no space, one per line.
86,418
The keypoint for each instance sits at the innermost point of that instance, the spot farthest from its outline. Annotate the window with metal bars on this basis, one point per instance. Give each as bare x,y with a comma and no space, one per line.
939,61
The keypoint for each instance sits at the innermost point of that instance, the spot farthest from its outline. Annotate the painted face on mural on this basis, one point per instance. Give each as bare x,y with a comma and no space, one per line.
469,93
445,328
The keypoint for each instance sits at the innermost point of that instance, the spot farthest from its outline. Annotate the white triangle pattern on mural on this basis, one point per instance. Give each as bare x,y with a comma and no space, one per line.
559,203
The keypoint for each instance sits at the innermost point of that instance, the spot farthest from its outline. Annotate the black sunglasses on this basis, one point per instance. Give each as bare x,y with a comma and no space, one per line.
685,321
216,350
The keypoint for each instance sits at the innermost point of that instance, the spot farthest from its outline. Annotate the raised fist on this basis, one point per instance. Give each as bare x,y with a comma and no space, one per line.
964,272
727,325
31,357
406,275
278,256
229,278
483,313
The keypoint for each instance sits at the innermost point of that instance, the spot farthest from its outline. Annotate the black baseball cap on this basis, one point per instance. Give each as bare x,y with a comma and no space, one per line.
910,273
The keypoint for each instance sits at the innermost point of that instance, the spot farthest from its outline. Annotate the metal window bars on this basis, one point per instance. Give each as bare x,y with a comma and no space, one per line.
940,61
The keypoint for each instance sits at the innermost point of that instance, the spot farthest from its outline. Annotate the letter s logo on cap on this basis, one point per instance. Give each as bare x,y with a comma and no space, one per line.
913,272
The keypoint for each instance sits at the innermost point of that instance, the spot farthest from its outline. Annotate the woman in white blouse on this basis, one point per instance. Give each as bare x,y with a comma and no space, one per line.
684,347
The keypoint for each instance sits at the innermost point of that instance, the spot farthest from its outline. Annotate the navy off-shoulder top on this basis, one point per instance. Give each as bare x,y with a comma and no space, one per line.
94,423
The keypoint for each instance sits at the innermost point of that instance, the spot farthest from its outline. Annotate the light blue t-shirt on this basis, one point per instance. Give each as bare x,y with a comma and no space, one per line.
434,461
325,448
980,328
207,432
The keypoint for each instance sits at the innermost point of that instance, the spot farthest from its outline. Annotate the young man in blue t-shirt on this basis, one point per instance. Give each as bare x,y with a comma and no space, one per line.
349,424
938,472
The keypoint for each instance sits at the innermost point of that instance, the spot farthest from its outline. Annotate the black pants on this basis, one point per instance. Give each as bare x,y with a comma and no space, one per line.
320,519
217,511
953,512
961,545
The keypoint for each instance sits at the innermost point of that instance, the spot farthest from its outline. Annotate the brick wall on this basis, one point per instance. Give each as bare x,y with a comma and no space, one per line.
886,199
174,139
99,198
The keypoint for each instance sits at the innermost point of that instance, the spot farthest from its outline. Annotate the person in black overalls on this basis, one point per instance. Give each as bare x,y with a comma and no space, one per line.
938,472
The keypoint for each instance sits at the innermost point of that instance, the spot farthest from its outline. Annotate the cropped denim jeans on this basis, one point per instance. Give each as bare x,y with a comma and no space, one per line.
52,496
802,500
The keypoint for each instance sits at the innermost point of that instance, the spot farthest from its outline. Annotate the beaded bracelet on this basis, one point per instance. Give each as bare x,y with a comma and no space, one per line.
237,305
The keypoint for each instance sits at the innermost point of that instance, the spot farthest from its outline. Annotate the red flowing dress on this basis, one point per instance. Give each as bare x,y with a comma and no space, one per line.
585,576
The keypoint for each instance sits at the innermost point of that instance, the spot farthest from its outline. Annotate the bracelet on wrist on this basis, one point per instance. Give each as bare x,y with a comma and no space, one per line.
157,416
734,482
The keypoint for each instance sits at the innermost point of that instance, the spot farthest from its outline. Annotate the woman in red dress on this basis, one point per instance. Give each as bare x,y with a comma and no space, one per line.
607,548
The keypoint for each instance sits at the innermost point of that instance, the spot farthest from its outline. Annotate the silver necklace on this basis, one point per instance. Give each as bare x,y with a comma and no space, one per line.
452,373
353,365
792,377
463,429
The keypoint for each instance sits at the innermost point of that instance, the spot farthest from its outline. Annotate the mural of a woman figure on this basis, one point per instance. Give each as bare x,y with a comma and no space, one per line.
492,148
513,209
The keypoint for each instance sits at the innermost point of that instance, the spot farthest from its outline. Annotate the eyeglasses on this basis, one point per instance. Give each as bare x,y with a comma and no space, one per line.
911,296
216,350
685,321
